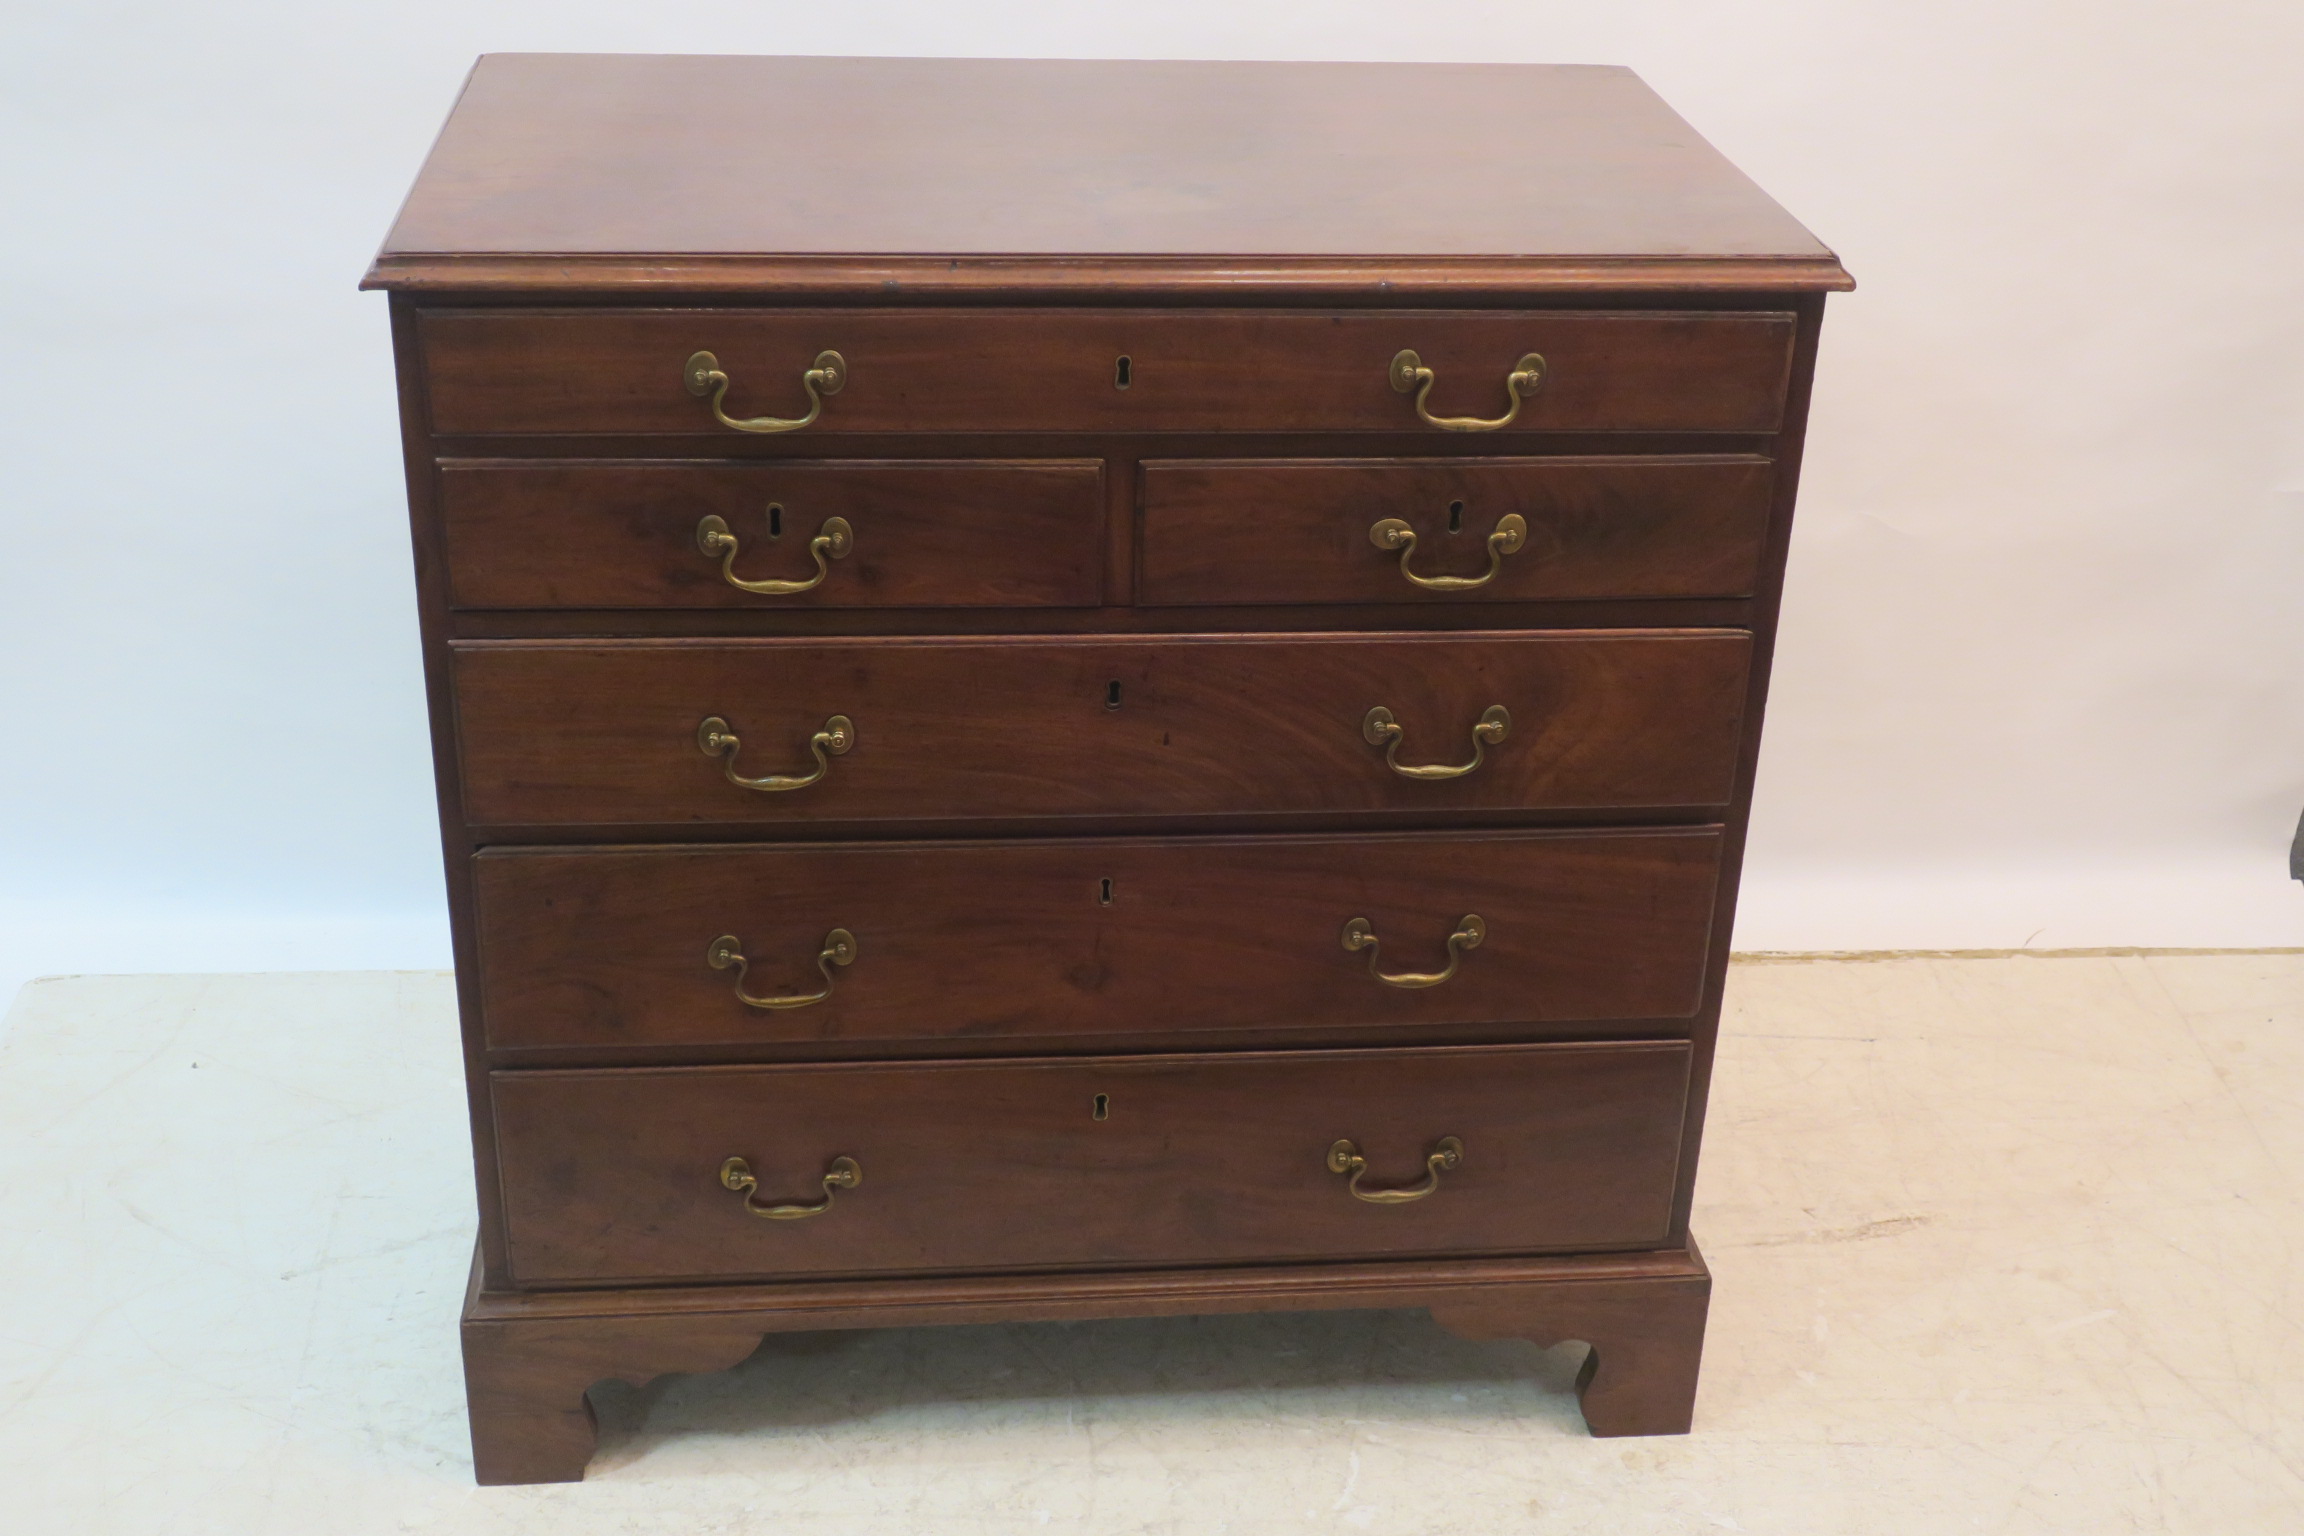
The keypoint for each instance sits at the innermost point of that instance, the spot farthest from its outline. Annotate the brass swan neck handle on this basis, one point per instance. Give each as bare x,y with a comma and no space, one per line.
736,1174
1394,533
727,950
1345,1158
832,542
1409,373
715,739
703,375
1379,729
1360,934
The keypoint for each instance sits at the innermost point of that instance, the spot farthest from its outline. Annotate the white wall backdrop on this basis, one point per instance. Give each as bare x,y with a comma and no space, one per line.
2041,677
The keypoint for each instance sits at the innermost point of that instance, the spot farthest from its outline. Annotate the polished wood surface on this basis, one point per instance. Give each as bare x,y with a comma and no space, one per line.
1004,1165
1125,616
605,949
948,731
560,170
530,1357
1057,370
1296,531
562,534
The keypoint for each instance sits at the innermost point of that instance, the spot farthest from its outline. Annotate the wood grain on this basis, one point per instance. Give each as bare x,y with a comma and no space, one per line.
948,731
984,240
1056,370
604,949
530,1356
933,534
1001,1165
1296,531
559,170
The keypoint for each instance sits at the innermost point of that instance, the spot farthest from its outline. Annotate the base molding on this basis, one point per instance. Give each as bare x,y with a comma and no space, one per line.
530,1357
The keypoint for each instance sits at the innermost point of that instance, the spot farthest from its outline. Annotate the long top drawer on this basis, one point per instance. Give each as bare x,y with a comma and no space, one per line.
628,371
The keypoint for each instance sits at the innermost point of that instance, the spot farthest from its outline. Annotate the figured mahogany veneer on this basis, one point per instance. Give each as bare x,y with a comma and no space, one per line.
527,534
1296,531
1077,1030
984,1165
1058,370
600,949
1016,728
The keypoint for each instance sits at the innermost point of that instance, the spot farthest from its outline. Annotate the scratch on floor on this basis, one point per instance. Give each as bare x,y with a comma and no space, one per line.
1887,1226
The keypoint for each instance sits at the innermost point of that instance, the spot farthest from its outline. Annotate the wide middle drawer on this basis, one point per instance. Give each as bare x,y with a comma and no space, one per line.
608,949
664,1174
656,733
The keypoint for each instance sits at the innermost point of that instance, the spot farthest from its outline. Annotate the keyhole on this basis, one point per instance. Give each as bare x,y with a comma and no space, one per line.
1455,517
1112,694
1102,1108
1120,371
775,519
1104,893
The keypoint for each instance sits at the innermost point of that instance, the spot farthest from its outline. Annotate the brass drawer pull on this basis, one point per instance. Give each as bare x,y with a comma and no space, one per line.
736,1174
832,541
1379,729
1392,533
1344,1157
703,376
1359,934
716,740
728,950
1409,373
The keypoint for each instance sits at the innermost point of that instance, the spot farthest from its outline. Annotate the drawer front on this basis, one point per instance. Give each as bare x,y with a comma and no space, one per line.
611,1176
611,949
907,535
555,733
623,371
1443,530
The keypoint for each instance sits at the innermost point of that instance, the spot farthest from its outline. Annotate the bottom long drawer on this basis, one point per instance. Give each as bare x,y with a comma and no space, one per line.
758,1172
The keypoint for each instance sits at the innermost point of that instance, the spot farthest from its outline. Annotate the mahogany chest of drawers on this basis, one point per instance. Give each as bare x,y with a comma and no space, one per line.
1077,689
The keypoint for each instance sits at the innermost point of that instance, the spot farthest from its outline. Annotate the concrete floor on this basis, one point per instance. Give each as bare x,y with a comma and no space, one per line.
2002,1245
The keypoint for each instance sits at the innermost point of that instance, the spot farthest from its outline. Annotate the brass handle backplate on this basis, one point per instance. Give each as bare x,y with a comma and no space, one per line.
736,1174
715,740
832,542
1409,373
727,950
1344,1157
704,376
1393,533
1360,934
1379,729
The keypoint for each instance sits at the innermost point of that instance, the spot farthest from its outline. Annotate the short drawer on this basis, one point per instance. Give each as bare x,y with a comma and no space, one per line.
1451,530
658,733
620,1176
1043,370
600,949
529,534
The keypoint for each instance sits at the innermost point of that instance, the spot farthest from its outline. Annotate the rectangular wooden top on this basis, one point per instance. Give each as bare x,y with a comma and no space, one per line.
653,173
